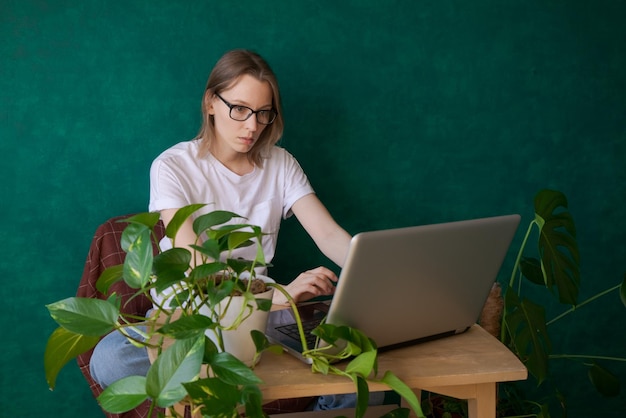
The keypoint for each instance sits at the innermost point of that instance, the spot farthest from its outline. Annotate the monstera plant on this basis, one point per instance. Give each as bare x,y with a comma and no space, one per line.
554,268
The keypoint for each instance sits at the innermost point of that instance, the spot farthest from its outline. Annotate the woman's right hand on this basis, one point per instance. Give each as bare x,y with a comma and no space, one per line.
309,284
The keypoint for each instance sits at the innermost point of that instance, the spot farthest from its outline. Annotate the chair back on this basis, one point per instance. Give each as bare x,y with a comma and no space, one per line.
106,251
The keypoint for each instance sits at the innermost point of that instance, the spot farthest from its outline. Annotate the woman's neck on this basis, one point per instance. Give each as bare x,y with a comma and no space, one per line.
236,162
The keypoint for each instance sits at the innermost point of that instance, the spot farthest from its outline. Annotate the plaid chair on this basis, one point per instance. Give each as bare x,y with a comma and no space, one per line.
106,251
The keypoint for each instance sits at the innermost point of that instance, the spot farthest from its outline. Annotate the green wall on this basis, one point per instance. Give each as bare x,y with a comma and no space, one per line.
401,112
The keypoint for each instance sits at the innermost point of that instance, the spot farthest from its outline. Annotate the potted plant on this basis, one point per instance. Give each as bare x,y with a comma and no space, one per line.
554,269
525,328
211,298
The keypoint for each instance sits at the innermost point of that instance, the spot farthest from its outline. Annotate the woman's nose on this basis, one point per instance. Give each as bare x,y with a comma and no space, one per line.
252,123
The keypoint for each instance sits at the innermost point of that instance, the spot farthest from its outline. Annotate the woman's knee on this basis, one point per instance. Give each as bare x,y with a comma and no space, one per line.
114,358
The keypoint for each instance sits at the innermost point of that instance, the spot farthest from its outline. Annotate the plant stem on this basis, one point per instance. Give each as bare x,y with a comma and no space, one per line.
296,314
572,356
521,251
583,303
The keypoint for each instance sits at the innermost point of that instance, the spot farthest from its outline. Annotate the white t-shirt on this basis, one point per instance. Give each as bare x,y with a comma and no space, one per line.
264,196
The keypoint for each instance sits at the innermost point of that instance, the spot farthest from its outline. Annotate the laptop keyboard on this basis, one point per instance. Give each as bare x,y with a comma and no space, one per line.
291,330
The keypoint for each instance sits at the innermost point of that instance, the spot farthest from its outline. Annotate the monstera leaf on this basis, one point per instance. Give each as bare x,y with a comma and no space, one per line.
525,324
557,245
531,269
604,380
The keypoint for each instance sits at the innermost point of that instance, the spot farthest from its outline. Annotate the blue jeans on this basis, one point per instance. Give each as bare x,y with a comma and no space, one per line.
346,401
115,358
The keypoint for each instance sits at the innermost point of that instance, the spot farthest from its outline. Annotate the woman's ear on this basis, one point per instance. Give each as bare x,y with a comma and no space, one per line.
208,102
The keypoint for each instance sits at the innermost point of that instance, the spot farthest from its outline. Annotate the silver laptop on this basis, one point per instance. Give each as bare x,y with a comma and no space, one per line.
410,284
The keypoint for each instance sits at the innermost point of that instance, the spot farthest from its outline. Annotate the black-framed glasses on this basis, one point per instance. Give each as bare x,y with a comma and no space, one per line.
241,113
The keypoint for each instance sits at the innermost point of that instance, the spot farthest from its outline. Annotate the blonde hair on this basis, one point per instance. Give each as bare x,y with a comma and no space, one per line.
230,67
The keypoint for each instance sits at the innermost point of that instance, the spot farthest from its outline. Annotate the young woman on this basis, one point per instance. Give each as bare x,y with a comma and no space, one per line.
234,164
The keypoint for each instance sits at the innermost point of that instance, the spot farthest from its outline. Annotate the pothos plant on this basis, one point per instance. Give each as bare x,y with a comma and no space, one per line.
525,328
190,366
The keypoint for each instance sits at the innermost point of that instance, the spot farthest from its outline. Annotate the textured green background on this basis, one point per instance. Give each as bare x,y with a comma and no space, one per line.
401,112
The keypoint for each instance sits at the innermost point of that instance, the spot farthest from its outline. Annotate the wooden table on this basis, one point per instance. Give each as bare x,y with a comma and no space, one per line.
465,366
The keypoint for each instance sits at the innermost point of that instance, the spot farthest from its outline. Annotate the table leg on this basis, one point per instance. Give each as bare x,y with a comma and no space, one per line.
484,404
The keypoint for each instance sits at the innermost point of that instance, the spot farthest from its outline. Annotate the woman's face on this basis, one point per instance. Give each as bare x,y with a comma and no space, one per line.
238,137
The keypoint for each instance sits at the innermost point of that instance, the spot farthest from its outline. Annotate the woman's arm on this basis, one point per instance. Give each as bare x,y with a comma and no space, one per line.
185,236
329,237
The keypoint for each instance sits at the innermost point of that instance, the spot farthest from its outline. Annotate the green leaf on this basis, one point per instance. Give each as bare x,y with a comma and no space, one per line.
320,365
131,233
211,219
179,219
124,395
170,267
403,390
239,265
210,247
149,219
232,371
260,340
253,399
85,316
261,343
218,293
525,324
363,364
354,341
558,249
187,327
264,304
240,239
531,269
364,343
331,333
622,291
109,276
139,255
218,399
62,347
116,301
178,364
210,350
362,396
206,270
604,381
174,259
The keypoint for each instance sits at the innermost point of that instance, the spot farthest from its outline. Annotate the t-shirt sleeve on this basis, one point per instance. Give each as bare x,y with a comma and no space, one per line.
297,184
166,192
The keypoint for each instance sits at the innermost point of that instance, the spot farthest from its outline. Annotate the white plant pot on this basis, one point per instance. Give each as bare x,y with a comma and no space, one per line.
238,342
